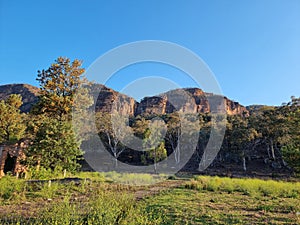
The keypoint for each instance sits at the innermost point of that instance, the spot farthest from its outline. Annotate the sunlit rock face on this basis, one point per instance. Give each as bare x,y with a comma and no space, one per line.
109,100
191,100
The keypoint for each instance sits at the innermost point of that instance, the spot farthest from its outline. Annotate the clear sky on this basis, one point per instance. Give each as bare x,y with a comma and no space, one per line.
252,46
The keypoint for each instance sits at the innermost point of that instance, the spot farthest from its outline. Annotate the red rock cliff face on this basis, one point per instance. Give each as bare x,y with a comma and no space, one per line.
108,100
191,100
234,108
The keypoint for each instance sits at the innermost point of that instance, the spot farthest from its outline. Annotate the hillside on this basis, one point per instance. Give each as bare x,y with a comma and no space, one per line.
109,99
228,162
28,92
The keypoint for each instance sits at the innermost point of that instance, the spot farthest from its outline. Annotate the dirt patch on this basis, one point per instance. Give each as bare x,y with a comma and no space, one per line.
157,188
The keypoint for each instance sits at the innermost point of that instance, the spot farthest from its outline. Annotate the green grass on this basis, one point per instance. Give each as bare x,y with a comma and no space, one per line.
186,206
109,198
133,178
246,186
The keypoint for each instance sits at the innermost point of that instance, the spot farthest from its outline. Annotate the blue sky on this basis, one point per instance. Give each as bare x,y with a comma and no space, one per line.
252,46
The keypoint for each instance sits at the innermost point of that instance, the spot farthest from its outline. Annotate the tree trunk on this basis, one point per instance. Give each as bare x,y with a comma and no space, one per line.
116,159
177,155
155,161
272,149
38,165
268,150
244,163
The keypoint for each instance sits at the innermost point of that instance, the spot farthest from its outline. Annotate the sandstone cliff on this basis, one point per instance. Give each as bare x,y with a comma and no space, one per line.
192,100
108,100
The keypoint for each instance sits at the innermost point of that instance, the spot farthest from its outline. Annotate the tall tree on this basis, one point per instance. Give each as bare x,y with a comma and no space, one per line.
55,146
172,135
115,131
240,136
153,143
61,90
270,123
291,144
12,126
58,85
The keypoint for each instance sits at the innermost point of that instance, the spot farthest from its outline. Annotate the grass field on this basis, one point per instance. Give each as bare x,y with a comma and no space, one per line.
100,198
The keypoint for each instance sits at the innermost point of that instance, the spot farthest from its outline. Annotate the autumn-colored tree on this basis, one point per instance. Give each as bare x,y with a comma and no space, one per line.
12,126
58,86
62,91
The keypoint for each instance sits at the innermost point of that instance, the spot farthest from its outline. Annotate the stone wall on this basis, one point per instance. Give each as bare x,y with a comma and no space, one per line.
16,152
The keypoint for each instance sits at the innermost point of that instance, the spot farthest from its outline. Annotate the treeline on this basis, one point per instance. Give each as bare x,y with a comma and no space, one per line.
270,133
55,145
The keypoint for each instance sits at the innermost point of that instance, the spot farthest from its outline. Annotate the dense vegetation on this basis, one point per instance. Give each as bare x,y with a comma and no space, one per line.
274,128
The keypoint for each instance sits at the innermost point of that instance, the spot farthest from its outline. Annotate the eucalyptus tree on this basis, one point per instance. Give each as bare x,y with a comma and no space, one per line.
291,146
115,132
240,136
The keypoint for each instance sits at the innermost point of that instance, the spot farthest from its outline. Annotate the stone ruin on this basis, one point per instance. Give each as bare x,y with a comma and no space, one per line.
11,156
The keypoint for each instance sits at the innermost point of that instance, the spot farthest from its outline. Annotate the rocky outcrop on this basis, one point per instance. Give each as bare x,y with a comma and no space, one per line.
109,100
192,100
234,108
28,92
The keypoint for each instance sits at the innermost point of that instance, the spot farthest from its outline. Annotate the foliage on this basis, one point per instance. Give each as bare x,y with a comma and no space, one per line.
12,126
291,148
55,146
153,143
291,154
115,132
59,84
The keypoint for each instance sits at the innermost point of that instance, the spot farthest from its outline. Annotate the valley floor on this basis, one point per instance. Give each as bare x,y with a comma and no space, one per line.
98,199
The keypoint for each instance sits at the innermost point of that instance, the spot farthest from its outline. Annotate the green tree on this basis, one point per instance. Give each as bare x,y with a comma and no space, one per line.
55,146
153,142
240,136
291,145
62,91
271,125
58,85
12,126
115,131
173,134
